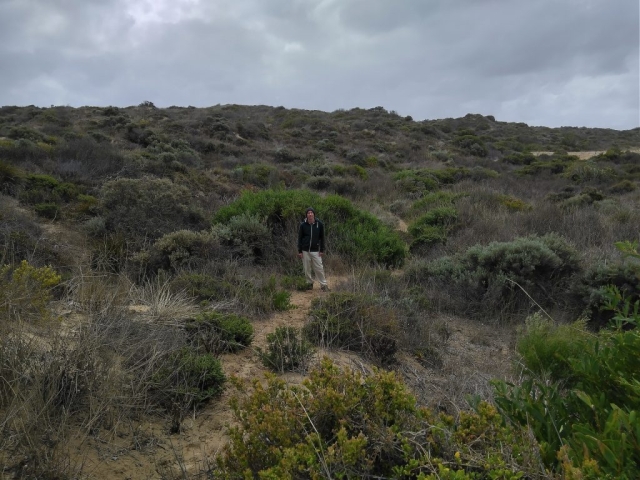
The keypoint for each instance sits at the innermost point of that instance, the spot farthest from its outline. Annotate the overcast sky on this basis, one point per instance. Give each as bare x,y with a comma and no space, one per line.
543,62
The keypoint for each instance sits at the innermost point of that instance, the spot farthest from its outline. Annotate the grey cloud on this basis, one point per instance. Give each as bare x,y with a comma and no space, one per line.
431,58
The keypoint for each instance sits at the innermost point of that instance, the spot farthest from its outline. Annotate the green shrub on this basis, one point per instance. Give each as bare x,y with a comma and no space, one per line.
26,133
260,294
432,227
527,259
427,236
625,186
440,198
182,249
545,347
202,286
214,332
586,419
39,189
471,143
244,236
25,291
148,208
514,204
519,158
352,233
260,175
342,424
319,183
281,300
185,380
298,282
557,164
590,288
617,156
10,177
437,217
429,179
47,210
588,171
503,275
286,350
353,322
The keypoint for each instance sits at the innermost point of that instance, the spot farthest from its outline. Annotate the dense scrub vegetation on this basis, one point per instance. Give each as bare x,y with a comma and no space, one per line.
171,231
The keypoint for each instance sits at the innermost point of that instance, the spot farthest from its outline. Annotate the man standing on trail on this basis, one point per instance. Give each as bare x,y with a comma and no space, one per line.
311,248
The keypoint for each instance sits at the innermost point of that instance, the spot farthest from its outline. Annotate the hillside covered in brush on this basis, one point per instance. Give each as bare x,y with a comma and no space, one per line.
141,247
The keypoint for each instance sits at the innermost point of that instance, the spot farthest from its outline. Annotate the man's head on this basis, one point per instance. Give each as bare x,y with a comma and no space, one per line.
311,215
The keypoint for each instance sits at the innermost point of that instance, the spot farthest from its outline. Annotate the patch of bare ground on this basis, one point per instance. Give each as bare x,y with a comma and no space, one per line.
473,354
402,226
70,243
584,155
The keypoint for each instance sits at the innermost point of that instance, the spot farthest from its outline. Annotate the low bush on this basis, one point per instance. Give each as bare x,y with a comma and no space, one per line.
202,286
44,189
258,174
513,203
10,178
350,232
146,209
519,158
25,292
182,249
187,379
214,332
584,415
21,238
440,198
470,143
281,300
245,236
618,156
87,158
298,282
507,275
429,179
432,227
585,403
588,171
341,424
353,322
590,289
625,186
47,210
286,351
545,346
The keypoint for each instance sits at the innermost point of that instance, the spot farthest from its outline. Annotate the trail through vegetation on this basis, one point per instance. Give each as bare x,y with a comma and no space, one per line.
147,271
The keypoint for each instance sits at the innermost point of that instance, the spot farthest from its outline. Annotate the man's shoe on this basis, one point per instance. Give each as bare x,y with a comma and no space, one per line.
325,288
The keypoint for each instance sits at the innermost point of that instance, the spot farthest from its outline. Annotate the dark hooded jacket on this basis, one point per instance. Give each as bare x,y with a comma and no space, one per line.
311,237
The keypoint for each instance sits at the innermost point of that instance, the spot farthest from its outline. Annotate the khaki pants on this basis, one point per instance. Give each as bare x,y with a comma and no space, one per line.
313,261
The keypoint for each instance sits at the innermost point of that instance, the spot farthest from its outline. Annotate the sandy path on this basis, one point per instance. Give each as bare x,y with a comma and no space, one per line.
584,155
203,435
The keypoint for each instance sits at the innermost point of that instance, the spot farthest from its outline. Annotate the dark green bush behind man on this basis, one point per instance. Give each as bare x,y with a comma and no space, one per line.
311,248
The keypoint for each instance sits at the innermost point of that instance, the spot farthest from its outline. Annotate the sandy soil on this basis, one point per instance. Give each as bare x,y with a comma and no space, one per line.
584,155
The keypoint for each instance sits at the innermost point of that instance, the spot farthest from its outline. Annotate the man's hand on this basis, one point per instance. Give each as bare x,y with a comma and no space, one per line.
321,254
299,255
